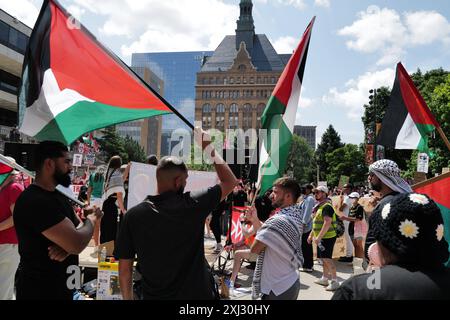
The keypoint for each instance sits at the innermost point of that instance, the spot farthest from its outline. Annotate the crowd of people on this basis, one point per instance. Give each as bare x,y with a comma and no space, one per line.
41,236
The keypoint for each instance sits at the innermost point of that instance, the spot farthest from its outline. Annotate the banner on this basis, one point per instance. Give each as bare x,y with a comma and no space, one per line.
142,182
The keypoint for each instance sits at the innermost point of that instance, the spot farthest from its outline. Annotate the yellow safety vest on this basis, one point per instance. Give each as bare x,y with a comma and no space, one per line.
319,221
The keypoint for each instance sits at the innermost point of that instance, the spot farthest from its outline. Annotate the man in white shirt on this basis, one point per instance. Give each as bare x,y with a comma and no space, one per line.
345,206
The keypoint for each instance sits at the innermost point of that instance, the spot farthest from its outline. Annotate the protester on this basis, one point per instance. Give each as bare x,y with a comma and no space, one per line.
409,234
113,195
216,215
47,229
307,248
152,159
239,196
357,228
278,245
94,197
250,225
384,177
263,206
324,236
9,252
178,269
344,207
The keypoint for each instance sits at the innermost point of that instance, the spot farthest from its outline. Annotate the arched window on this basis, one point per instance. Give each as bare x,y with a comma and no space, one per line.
242,67
247,116
220,116
233,116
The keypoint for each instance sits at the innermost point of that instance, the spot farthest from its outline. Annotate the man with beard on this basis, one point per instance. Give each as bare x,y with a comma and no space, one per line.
384,177
278,245
165,231
46,226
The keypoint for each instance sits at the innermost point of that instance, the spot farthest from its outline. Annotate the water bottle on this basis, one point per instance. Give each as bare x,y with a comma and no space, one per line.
103,255
320,246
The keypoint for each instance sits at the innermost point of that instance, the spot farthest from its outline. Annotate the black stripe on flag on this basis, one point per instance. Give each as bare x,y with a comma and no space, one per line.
36,60
394,117
301,70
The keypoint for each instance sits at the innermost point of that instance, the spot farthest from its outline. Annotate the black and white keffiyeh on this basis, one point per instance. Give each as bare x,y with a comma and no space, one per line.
282,233
389,173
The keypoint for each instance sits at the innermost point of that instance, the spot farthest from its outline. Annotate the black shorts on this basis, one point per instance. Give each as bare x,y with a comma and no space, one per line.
328,252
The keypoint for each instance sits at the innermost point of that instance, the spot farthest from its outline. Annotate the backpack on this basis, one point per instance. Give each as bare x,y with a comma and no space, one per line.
339,227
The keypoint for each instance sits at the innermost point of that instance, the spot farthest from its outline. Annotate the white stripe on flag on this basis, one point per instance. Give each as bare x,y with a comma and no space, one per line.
409,136
51,102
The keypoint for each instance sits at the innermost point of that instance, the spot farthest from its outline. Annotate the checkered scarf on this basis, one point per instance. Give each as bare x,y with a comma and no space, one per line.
283,233
389,173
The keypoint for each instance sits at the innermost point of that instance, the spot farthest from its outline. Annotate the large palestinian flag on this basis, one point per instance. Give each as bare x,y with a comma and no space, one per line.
71,84
5,172
279,116
408,120
438,190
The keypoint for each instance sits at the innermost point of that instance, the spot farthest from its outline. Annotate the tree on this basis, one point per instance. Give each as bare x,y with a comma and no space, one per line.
299,160
348,160
112,144
134,150
330,142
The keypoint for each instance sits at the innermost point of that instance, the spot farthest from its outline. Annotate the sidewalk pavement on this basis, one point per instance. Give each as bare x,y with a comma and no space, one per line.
308,289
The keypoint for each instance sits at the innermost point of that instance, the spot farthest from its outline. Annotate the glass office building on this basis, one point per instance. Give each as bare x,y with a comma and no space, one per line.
178,72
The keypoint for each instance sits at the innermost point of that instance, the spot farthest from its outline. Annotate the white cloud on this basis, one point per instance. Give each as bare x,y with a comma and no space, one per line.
356,92
299,4
175,25
24,10
388,33
322,3
76,11
427,27
285,44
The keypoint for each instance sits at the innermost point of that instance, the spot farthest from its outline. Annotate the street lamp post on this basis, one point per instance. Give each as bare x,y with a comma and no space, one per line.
373,101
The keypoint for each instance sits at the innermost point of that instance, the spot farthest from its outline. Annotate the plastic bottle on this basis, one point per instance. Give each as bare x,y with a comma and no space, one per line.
103,255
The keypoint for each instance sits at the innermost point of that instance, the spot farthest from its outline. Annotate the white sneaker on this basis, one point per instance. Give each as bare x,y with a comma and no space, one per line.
334,285
322,282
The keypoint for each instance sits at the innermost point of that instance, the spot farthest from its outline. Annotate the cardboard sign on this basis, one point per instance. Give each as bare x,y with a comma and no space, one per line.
422,162
77,160
89,159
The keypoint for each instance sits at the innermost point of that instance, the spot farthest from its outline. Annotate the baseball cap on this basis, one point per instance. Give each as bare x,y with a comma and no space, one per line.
321,188
354,195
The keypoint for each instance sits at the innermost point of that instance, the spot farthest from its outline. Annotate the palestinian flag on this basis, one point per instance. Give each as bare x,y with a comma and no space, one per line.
5,172
279,116
437,189
71,84
408,120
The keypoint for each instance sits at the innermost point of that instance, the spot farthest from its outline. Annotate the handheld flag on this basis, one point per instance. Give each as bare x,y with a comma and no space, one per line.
5,172
408,120
437,189
71,84
279,116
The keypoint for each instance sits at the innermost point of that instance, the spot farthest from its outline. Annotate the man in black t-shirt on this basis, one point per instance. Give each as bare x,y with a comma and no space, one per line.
166,233
45,222
239,196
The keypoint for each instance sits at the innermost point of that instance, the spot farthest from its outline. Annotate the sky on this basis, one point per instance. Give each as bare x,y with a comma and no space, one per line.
355,44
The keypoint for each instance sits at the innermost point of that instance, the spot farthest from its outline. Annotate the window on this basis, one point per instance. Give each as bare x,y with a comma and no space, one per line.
238,80
206,108
247,114
242,67
244,80
259,111
234,108
231,80
220,116
272,80
258,80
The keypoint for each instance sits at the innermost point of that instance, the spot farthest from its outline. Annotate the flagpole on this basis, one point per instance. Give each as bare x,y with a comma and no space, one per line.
442,134
31,174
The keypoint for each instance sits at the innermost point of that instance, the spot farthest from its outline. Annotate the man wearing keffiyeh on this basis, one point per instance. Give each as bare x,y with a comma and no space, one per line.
278,244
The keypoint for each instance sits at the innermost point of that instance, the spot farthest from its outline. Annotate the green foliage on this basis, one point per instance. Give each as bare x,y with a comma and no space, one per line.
300,160
112,144
330,142
348,160
134,150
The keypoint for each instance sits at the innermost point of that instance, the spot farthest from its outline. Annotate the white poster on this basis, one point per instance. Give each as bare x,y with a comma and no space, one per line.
422,163
77,160
142,182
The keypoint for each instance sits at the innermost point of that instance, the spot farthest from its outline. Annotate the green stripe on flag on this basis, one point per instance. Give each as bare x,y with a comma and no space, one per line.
274,106
275,165
446,217
3,177
85,116
424,130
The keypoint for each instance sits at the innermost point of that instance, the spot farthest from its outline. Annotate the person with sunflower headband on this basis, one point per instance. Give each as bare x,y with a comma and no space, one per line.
410,252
